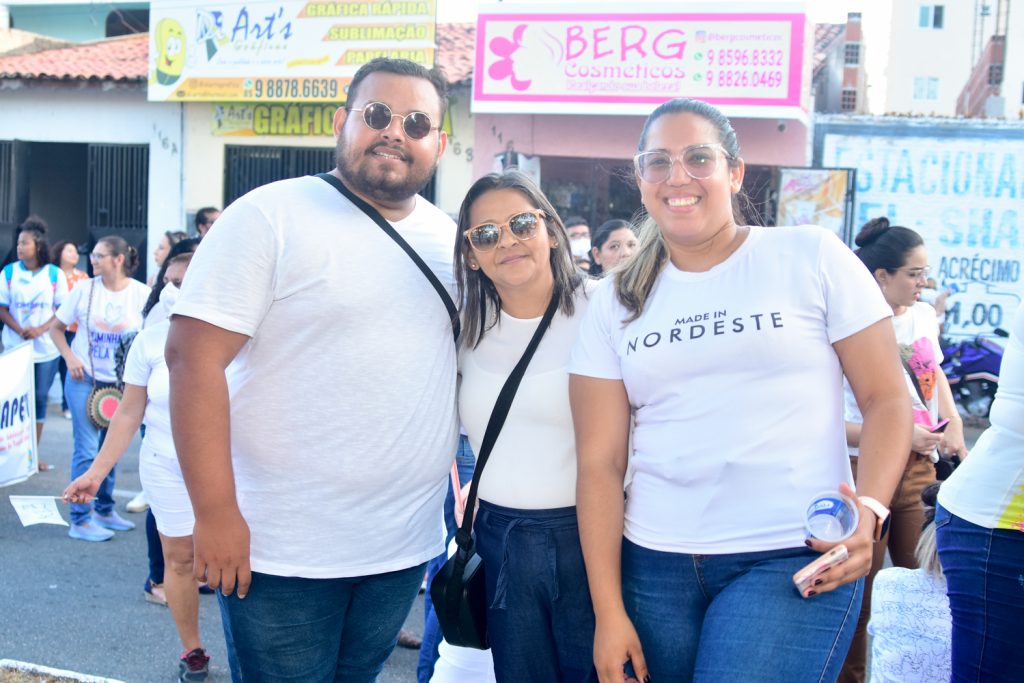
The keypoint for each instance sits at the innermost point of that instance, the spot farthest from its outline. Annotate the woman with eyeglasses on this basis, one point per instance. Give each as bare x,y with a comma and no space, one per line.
613,243
513,260
895,256
727,344
105,308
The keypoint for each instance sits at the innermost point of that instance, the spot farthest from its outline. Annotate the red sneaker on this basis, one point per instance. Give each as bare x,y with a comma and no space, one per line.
193,666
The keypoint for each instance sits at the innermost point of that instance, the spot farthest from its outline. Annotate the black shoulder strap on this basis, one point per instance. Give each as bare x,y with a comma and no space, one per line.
497,420
374,215
914,379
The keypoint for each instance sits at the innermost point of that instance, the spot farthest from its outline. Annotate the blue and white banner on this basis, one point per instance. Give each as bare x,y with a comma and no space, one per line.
18,450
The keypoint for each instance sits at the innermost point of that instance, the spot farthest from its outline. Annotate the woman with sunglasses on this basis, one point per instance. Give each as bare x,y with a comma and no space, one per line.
105,308
726,344
512,259
897,259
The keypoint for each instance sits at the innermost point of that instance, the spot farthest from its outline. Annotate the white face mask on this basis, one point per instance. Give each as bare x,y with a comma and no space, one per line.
580,247
168,296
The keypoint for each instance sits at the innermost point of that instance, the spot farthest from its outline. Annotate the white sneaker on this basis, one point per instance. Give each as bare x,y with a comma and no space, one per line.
138,503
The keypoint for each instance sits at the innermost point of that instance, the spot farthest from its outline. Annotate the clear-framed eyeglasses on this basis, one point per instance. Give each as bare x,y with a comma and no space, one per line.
698,161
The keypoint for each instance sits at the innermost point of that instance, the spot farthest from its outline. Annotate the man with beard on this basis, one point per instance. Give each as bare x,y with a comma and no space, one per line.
318,486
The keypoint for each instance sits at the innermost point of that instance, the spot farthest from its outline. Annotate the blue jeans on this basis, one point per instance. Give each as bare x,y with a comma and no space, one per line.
87,441
44,374
984,571
540,622
319,630
432,636
735,617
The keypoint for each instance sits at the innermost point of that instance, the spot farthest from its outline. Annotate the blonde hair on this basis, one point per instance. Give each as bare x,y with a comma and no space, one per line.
926,552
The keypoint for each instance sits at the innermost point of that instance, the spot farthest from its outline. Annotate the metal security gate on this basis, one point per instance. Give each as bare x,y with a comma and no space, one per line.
14,194
246,168
117,195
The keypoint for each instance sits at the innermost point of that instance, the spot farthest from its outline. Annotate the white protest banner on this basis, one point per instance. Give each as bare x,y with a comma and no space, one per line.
37,510
18,453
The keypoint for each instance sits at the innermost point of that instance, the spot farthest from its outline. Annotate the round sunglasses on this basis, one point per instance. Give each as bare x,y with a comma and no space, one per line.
378,116
523,226
698,161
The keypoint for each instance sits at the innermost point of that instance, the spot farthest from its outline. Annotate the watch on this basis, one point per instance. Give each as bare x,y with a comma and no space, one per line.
881,515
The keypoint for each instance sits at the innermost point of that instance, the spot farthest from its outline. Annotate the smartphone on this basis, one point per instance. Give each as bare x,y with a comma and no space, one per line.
937,429
804,579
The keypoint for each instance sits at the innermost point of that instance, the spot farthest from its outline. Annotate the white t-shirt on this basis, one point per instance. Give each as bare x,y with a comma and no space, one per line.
343,408
736,389
988,488
533,464
911,627
146,367
31,299
113,315
917,333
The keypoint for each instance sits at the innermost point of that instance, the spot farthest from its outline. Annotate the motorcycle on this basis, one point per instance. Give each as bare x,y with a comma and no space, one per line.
972,368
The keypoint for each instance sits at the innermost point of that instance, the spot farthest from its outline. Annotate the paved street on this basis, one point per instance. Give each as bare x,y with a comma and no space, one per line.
79,606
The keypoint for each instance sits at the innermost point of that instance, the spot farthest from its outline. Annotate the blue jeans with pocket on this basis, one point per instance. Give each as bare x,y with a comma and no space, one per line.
735,617
44,371
984,571
319,630
541,621
87,440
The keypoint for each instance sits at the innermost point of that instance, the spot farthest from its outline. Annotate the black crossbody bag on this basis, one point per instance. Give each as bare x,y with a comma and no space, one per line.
374,215
458,591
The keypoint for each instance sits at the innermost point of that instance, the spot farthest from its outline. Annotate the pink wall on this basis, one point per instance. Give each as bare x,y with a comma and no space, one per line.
615,137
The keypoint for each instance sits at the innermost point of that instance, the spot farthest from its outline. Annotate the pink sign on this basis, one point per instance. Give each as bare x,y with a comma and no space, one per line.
564,63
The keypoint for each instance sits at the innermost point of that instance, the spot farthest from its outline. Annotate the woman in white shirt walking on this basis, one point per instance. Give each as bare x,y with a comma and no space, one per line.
512,260
105,308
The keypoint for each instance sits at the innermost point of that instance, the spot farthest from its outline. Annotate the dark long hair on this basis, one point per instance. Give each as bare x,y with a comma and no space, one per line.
185,246
480,302
601,236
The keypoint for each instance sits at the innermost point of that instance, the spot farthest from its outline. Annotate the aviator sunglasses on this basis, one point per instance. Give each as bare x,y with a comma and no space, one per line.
698,161
378,116
523,226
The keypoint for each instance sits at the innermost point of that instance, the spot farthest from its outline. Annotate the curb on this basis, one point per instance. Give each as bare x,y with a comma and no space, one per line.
26,667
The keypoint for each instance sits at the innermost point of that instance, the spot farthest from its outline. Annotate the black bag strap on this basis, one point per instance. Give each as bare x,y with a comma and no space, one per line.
502,405
914,380
374,215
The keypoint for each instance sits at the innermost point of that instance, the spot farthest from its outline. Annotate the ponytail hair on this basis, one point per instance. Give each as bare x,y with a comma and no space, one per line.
119,247
885,246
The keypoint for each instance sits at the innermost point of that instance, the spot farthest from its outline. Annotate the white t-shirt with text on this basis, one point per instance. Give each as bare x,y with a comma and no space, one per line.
343,416
31,298
114,314
736,389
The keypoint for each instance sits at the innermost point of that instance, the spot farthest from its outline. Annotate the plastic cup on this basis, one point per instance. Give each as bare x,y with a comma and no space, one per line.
832,516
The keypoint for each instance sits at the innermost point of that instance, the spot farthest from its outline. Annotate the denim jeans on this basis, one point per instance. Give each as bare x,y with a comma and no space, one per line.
735,617
540,622
984,571
87,441
432,636
319,630
44,374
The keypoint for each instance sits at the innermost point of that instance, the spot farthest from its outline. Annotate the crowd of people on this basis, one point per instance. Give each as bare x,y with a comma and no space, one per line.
654,406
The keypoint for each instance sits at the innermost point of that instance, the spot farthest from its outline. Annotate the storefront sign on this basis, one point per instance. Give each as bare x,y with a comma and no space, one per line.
273,119
963,196
561,60
17,416
292,50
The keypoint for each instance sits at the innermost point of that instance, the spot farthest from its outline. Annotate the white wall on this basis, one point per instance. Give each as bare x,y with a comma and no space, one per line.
916,52
106,114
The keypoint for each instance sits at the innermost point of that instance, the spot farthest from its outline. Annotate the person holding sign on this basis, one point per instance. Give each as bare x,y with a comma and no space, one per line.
728,345
31,290
105,308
